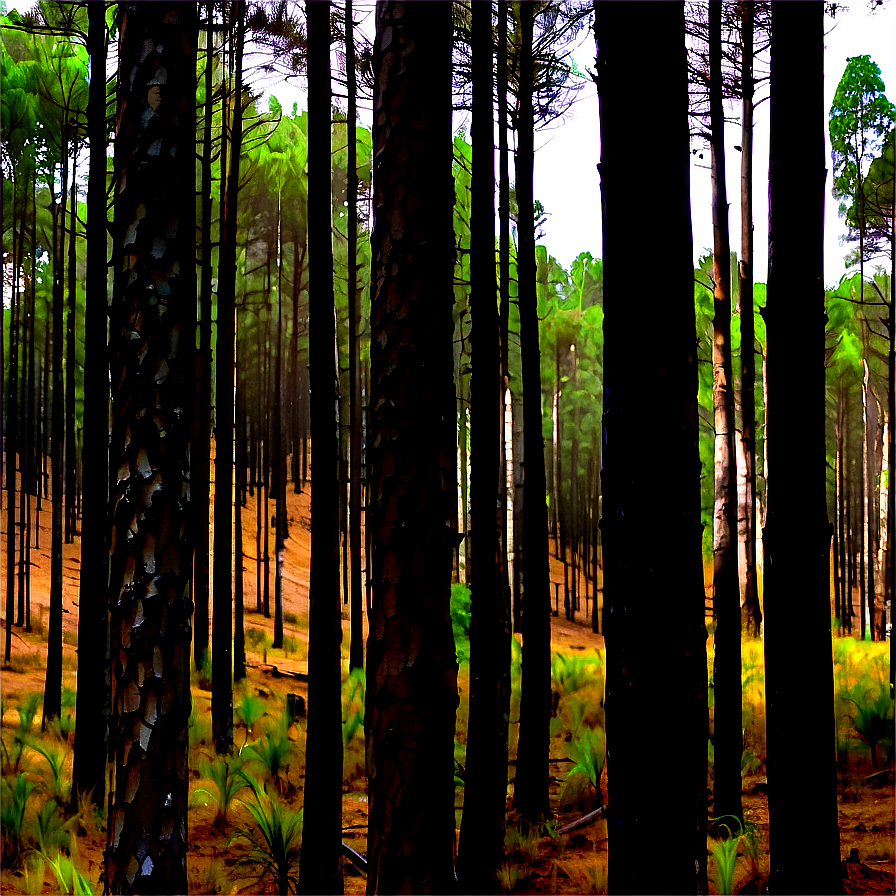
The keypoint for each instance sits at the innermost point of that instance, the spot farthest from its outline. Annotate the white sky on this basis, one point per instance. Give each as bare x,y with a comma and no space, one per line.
566,179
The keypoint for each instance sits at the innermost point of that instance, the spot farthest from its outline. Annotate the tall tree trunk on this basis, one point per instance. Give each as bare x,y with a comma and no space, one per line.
239,635
222,570
411,666
485,793
860,512
71,453
356,596
803,783
519,471
751,614
53,678
665,364
153,379
320,868
728,734
10,437
530,792
91,723
279,466
200,454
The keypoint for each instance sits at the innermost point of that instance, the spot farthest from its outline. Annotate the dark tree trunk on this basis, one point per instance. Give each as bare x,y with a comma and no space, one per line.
320,868
530,792
279,466
53,678
411,666
804,782
239,635
222,571
728,733
10,437
200,455
519,470
751,615
91,724
485,793
152,404
635,584
71,453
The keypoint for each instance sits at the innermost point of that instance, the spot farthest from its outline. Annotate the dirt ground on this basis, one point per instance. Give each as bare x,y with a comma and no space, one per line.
571,864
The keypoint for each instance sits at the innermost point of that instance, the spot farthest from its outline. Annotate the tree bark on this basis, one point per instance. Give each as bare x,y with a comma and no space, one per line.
153,376
320,869
71,452
727,734
530,792
751,612
411,666
222,570
88,770
200,454
485,792
635,584
804,783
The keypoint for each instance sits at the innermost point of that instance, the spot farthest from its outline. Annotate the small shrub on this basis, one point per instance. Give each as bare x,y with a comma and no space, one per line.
248,711
291,618
70,880
56,781
27,712
276,840
290,645
254,637
272,751
62,728
51,832
588,752
70,637
589,877
510,876
724,854
223,774
13,803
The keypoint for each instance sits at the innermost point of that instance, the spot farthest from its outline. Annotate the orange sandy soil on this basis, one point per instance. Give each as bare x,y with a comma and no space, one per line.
865,823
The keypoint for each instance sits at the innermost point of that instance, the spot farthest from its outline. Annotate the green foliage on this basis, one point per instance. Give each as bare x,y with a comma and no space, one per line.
353,689
222,773
724,853
276,840
290,617
57,783
272,751
873,716
588,751
15,796
69,879
248,711
460,620
571,672
51,831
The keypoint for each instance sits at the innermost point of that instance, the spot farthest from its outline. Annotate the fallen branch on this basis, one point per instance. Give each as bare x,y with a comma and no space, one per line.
354,857
584,821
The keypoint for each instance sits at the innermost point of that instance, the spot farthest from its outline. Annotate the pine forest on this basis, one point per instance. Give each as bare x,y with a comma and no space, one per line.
266,288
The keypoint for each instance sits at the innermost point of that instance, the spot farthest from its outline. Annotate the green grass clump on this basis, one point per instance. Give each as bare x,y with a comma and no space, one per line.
724,854
291,618
588,751
460,620
276,840
52,833
69,879
272,751
248,711
14,798
223,774
56,781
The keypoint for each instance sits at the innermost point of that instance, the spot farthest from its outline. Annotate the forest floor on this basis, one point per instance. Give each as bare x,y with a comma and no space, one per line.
574,863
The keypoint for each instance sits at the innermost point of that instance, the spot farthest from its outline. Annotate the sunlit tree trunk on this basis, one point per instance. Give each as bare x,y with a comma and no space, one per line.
800,782
728,736
153,376
320,869
411,665
635,582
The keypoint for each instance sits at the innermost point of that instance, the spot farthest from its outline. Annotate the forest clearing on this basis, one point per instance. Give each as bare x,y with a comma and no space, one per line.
352,541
